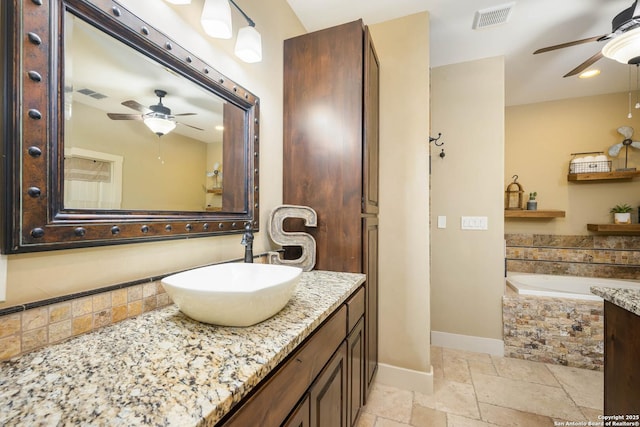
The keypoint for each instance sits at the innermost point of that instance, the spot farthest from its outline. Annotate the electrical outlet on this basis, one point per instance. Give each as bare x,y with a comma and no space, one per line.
474,223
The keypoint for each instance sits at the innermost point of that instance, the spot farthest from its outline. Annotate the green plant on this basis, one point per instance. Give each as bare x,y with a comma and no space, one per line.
621,209
532,196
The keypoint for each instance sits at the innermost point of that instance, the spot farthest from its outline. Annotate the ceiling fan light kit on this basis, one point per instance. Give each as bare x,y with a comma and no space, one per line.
159,125
625,48
623,42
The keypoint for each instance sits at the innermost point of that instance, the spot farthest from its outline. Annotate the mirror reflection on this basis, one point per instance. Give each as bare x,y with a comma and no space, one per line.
138,136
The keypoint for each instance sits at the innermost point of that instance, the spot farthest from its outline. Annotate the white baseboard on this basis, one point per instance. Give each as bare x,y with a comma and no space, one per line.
468,343
405,379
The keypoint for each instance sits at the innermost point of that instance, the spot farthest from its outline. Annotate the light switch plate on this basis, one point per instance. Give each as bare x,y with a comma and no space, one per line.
474,223
442,221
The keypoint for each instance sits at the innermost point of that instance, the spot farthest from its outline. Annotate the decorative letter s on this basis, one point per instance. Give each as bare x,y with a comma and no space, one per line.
287,238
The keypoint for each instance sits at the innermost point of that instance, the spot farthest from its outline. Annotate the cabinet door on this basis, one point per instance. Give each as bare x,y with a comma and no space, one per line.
329,393
355,358
370,267
371,126
300,416
621,368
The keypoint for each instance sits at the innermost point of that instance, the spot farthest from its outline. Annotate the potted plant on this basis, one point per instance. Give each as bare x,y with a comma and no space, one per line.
532,204
621,214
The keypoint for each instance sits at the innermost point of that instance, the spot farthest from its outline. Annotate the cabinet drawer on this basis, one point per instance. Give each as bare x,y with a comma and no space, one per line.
355,308
273,401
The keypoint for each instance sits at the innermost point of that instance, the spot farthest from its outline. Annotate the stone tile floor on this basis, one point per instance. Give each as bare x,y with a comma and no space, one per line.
478,390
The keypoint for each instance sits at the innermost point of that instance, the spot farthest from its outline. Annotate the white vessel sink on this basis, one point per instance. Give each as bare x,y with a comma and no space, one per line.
233,294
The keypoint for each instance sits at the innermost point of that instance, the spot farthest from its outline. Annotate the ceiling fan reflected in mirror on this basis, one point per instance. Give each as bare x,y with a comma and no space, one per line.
156,117
623,42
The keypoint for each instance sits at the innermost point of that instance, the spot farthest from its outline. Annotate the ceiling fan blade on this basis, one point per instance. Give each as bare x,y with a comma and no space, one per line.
569,44
626,131
615,149
136,106
184,124
184,114
586,64
635,144
118,116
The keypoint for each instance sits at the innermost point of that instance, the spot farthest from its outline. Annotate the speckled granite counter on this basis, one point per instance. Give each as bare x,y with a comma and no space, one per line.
162,368
629,299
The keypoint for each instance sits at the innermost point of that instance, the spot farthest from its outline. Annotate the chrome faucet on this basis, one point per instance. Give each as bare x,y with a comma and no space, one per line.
247,242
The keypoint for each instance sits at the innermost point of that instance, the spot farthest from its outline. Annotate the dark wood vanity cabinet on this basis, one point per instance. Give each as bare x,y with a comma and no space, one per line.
321,384
621,368
331,154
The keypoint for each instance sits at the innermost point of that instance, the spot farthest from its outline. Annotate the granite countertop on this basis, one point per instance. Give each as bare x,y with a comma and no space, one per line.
162,368
629,299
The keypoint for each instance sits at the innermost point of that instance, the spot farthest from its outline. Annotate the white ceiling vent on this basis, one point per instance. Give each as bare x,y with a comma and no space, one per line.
492,16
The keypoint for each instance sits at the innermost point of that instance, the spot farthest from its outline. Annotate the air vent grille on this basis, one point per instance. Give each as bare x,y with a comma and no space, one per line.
492,16
92,93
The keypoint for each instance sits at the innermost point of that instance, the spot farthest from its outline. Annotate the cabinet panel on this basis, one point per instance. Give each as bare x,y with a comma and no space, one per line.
300,416
355,308
621,368
371,126
322,130
329,393
370,267
355,357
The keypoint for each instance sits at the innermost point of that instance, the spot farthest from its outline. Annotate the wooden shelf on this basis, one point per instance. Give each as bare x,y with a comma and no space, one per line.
615,228
603,176
512,213
214,190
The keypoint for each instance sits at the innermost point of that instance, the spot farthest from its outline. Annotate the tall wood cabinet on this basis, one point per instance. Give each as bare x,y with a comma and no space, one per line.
331,137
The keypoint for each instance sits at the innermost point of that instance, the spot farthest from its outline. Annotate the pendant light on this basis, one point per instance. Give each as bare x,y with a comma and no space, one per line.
216,22
249,45
216,19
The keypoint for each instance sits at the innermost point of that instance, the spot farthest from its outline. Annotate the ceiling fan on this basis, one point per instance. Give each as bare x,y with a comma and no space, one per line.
623,22
614,150
157,117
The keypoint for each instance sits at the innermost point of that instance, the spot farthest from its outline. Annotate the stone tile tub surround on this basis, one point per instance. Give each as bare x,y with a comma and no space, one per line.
561,331
615,257
162,368
31,326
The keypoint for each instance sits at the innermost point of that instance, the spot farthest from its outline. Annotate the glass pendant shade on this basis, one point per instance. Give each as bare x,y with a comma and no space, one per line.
216,19
624,48
160,126
249,45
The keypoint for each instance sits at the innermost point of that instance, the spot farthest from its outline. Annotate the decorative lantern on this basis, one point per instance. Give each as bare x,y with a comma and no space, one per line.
513,195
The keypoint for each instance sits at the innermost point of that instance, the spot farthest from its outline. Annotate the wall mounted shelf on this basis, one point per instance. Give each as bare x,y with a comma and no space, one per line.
551,213
615,228
603,176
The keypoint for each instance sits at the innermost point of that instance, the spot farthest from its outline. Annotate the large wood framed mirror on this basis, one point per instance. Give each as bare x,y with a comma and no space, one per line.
114,133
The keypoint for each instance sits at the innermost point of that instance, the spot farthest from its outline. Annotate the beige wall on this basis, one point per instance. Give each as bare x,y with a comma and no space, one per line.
403,49
539,141
36,276
467,107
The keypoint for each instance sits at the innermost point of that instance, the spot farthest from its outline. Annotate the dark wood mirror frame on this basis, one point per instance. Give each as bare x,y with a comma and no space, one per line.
32,128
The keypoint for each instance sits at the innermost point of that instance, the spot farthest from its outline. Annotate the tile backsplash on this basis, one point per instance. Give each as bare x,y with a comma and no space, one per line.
594,255
33,328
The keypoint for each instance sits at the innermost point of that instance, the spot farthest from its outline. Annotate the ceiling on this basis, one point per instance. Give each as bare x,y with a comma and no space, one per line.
532,24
